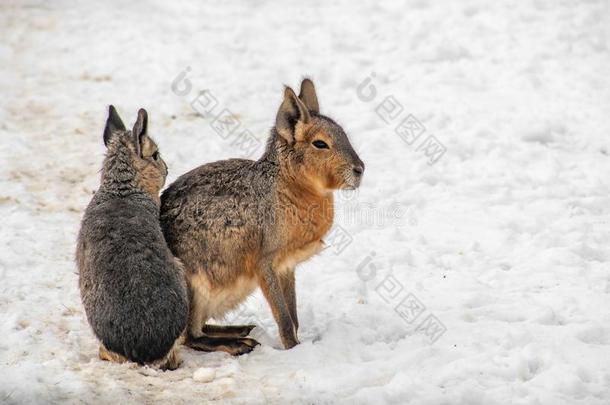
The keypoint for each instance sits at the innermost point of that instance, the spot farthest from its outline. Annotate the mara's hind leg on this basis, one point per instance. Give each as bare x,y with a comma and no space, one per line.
233,346
197,311
227,331
172,360
107,355
211,338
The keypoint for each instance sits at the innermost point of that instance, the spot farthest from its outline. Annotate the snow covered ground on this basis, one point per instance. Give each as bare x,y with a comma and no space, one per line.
483,278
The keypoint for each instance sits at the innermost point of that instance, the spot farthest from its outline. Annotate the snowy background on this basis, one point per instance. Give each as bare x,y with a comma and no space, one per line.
483,278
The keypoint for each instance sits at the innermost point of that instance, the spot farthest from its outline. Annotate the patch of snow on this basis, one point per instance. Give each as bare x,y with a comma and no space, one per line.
471,267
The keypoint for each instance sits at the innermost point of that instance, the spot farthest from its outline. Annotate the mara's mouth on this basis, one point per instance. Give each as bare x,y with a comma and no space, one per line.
343,181
351,183
352,177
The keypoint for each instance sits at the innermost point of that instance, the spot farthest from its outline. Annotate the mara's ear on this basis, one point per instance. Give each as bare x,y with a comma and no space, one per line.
139,130
113,124
308,96
291,111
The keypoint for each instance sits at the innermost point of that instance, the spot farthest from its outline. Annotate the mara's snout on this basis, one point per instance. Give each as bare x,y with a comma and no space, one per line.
353,174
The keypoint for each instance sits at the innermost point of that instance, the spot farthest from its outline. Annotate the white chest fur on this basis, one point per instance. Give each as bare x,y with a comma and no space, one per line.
216,302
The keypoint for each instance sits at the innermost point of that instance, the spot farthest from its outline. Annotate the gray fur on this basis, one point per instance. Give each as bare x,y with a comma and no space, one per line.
132,288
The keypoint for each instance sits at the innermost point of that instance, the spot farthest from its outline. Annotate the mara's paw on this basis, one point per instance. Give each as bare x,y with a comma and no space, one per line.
172,361
290,338
234,331
290,342
107,355
232,346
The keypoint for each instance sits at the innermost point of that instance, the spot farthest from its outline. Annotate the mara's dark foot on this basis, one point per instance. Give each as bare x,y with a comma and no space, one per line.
228,331
233,346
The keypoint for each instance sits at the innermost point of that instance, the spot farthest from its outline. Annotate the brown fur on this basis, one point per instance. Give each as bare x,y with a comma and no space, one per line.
240,224
113,357
151,173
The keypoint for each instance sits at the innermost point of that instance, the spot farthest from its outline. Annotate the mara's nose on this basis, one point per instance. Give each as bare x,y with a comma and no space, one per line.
358,170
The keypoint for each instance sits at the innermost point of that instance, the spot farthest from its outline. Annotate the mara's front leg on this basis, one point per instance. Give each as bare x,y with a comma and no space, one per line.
272,290
287,283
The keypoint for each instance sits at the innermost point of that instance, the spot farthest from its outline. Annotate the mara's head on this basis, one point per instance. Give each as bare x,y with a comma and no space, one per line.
319,150
132,156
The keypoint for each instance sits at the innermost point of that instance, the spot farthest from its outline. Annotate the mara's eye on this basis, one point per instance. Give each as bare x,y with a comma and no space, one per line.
320,144
155,155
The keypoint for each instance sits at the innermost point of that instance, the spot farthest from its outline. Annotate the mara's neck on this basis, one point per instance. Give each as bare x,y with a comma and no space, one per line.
274,148
120,177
